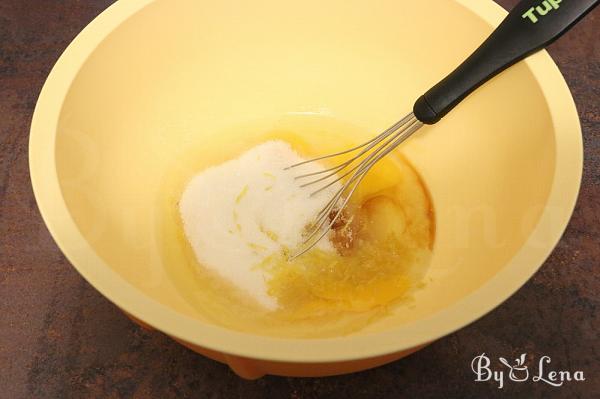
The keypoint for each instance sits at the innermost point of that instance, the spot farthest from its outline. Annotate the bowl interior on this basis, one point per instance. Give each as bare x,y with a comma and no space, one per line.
177,74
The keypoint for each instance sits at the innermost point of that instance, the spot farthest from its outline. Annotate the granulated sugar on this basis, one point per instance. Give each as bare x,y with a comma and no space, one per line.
238,213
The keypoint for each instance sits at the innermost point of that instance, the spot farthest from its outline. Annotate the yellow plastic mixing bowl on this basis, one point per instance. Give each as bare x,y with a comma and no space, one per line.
148,79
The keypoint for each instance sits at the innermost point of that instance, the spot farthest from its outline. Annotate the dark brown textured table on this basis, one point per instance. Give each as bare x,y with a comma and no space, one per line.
59,338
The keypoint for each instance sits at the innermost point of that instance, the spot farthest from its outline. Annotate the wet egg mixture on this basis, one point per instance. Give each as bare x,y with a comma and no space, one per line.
234,221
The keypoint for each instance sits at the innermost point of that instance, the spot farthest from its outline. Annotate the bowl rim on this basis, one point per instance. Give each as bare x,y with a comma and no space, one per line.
552,223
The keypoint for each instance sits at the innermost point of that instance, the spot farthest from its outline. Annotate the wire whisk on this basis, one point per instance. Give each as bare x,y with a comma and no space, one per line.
352,171
521,34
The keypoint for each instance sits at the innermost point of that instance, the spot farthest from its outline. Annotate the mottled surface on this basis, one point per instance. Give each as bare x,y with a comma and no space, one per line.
60,339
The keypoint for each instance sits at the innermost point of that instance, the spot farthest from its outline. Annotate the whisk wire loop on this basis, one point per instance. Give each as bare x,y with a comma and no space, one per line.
372,152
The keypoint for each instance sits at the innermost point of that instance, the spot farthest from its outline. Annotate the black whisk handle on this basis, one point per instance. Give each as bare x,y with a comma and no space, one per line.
529,27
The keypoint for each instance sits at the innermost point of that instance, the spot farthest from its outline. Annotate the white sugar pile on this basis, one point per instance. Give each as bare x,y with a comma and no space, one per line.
238,213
